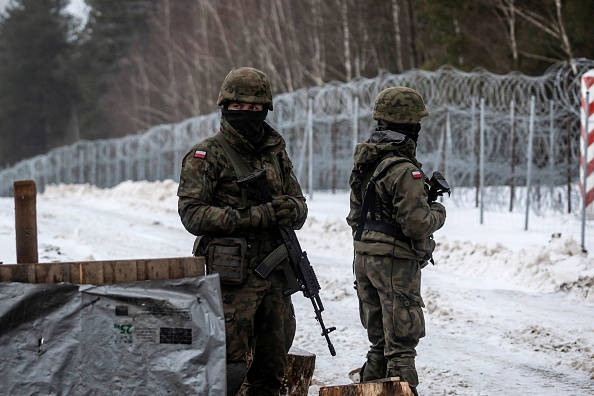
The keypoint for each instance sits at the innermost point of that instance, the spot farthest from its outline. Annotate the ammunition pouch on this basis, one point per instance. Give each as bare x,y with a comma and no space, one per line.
228,258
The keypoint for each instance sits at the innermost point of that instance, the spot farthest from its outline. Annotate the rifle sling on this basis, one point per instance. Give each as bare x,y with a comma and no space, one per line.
241,170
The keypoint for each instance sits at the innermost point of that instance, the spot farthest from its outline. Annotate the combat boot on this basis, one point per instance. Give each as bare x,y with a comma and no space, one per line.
405,369
373,369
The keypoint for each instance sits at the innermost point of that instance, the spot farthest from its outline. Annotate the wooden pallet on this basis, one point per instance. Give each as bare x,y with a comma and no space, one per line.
103,272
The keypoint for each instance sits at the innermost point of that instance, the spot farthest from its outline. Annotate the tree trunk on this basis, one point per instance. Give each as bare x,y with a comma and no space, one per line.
300,369
385,387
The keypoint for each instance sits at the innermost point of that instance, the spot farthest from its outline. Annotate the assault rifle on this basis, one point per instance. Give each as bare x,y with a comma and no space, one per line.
300,275
437,186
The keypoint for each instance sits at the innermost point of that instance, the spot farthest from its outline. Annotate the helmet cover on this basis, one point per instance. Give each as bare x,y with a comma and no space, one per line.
399,105
246,85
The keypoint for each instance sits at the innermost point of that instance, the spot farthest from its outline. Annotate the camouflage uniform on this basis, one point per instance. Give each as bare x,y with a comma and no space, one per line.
260,321
388,268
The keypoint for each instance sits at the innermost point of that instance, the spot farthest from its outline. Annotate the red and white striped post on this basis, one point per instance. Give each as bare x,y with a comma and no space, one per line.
587,132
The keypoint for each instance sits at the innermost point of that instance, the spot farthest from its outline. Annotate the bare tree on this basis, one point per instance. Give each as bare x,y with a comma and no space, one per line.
509,12
344,17
550,22
397,34
318,47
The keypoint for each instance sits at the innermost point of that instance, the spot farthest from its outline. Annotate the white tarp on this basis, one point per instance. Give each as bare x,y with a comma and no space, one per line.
139,338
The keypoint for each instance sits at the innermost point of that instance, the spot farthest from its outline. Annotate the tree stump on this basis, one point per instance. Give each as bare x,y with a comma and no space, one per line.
384,387
297,378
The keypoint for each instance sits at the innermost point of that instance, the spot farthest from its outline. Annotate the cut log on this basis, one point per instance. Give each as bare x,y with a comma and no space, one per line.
384,387
300,368
103,272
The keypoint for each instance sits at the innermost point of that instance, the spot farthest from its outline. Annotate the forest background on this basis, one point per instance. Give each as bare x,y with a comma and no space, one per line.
131,64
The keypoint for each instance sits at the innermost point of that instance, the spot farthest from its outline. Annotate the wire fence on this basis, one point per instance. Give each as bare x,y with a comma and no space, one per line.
478,134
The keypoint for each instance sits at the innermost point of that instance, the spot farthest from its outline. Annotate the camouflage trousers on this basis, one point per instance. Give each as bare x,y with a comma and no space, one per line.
259,323
390,306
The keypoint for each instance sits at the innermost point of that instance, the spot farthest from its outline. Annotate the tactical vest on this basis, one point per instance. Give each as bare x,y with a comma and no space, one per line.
373,205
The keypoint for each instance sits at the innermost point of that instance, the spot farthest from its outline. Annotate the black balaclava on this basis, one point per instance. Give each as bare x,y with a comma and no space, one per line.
248,123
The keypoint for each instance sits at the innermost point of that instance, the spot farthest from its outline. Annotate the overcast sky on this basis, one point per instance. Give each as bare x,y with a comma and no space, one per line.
76,7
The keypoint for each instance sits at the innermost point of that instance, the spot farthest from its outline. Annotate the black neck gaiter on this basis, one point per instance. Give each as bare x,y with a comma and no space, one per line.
248,123
410,130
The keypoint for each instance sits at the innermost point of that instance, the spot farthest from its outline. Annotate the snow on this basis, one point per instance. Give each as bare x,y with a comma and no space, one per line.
508,311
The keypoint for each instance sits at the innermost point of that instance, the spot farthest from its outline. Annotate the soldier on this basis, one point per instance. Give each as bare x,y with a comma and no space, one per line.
392,223
236,232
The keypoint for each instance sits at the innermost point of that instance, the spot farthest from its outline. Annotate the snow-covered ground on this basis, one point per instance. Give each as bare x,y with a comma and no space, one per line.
508,311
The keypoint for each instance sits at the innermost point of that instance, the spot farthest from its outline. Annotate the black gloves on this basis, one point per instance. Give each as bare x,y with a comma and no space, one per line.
281,211
285,210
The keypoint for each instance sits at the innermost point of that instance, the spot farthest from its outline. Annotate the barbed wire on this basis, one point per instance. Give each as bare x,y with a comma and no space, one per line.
341,115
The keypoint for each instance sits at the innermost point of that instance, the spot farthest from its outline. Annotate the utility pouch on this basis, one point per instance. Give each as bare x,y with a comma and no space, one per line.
228,258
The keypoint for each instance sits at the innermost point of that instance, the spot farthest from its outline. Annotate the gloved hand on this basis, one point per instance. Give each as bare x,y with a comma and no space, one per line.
281,211
285,209
259,216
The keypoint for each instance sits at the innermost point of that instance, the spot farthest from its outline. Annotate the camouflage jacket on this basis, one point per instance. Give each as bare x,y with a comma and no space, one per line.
209,198
401,198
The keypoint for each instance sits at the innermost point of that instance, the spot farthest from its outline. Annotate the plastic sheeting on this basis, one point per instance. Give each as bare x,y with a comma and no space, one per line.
140,338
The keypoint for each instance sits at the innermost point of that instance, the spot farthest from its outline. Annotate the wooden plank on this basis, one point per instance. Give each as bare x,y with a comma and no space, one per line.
141,270
103,272
41,273
125,271
24,273
92,273
75,272
54,273
193,266
157,269
5,273
176,269
383,387
109,271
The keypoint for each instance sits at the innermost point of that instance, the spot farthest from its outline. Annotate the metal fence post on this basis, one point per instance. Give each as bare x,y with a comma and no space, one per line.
355,122
482,159
529,161
310,146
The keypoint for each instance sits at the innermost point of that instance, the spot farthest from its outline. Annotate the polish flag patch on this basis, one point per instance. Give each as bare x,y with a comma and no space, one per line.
199,154
417,174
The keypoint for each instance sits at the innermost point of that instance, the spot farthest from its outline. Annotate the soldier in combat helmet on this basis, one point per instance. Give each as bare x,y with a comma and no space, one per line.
259,319
392,222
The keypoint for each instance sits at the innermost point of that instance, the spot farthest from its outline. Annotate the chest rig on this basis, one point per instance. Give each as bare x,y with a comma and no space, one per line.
372,205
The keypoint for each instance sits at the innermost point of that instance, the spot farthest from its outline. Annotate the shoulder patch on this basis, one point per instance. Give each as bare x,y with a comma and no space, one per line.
416,174
200,154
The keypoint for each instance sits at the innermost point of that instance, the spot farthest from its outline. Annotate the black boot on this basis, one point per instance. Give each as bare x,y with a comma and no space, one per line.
236,372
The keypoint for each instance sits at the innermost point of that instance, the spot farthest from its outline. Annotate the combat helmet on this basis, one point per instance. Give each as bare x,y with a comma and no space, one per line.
247,85
399,105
